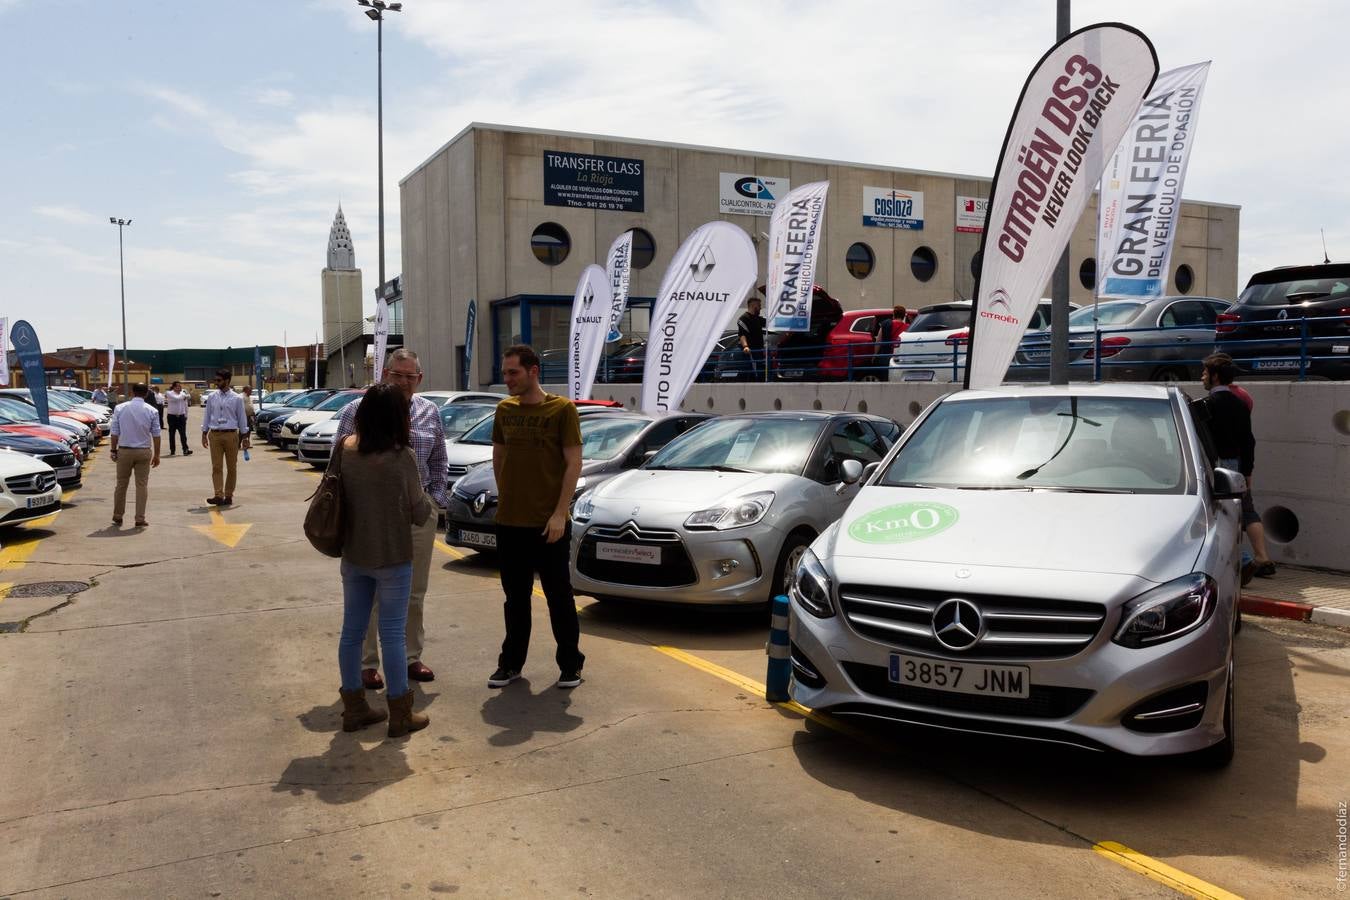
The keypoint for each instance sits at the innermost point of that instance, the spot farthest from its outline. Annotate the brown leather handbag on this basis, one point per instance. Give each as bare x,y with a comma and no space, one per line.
324,519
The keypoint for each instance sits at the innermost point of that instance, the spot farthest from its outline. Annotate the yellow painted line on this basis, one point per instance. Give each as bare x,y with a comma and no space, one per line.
1162,873
4,590
221,531
448,550
15,556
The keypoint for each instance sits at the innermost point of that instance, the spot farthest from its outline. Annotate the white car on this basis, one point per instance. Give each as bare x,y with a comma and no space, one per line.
316,442
328,409
28,488
933,348
442,398
473,448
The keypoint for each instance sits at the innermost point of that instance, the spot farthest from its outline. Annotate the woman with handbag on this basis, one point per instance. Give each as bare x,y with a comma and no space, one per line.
381,495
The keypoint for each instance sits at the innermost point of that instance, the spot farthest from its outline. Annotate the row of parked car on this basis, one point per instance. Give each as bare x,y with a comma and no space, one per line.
39,461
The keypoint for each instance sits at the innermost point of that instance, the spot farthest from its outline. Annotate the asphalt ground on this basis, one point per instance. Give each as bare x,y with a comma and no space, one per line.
173,731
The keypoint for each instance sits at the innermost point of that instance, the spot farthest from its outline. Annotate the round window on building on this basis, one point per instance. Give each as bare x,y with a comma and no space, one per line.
1087,274
550,243
923,263
975,262
860,259
644,248
1185,279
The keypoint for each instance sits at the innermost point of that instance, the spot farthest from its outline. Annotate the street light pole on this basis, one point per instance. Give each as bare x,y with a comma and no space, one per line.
122,277
375,9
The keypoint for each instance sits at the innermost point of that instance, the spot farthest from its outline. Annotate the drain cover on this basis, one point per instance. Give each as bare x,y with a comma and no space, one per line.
47,589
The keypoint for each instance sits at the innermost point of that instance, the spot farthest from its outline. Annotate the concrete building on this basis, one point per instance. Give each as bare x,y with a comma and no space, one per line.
343,317
509,217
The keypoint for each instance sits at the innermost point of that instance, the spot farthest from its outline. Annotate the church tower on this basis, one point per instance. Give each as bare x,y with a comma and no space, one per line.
342,312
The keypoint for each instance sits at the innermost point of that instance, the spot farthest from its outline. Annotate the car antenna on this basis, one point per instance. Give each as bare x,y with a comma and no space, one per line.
1325,259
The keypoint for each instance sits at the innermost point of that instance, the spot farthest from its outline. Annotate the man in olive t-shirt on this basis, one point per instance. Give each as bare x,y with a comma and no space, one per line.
536,456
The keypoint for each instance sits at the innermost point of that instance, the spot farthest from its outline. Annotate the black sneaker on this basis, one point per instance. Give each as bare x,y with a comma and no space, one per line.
569,679
502,677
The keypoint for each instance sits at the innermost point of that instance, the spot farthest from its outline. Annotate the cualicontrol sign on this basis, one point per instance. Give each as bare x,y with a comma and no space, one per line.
587,181
739,194
893,208
903,522
970,213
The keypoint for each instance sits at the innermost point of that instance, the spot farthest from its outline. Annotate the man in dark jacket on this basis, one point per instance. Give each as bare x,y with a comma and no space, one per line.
1230,425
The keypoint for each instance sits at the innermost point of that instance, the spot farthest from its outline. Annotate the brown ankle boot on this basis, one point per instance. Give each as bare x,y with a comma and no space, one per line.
402,719
356,712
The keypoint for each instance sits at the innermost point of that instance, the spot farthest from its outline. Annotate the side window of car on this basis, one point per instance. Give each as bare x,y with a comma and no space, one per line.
1040,318
853,439
863,325
887,434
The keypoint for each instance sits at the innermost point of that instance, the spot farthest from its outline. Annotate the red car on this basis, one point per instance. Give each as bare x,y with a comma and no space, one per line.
849,350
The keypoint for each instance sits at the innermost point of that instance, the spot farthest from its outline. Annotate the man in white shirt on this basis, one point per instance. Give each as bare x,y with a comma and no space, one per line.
134,431
100,395
224,431
177,400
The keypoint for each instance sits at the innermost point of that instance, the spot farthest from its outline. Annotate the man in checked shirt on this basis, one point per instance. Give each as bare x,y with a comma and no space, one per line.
428,444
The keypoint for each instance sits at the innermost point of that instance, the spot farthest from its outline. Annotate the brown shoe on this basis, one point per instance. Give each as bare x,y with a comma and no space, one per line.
356,712
402,719
418,671
141,523
213,501
372,680
226,501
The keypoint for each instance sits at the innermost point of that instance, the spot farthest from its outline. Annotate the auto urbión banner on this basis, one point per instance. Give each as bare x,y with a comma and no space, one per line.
590,325
1074,109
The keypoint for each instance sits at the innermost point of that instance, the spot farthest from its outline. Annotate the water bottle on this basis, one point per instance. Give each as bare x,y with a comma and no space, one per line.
245,454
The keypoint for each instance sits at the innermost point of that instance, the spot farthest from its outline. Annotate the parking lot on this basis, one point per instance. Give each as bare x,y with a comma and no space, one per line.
173,730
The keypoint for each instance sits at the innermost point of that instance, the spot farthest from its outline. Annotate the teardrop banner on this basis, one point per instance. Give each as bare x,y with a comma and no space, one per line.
1074,109
381,336
619,267
710,275
29,351
1140,204
795,230
590,325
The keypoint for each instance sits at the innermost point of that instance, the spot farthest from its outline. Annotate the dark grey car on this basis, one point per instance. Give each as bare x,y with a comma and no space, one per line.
1157,339
610,444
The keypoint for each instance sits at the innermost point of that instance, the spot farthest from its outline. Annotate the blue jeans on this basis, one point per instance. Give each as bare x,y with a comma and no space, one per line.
361,587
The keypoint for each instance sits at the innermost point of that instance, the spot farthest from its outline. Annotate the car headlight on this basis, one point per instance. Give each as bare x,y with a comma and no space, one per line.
1168,611
584,507
581,485
738,513
810,587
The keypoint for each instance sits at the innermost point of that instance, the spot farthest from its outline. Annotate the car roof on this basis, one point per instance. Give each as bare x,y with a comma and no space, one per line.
1112,389
1301,273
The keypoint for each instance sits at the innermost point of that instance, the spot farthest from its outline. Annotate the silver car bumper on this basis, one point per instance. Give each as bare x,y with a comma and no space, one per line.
314,451
1081,699
695,567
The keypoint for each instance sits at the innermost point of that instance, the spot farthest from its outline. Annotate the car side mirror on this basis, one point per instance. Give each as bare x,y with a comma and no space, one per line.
641,459
869,470
1229,485
850,471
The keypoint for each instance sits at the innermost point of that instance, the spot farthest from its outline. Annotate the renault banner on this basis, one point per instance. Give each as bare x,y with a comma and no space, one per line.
619,268
1074,109
381,336
590,325
29,351
112,363
4,352
1141,188
470,323
795,229
710,275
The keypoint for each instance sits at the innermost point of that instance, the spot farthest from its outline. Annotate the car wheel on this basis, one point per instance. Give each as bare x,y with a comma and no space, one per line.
791,554
1170,373
869,377
1221,754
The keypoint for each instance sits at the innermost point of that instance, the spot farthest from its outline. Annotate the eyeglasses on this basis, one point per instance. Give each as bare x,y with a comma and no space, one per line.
408,375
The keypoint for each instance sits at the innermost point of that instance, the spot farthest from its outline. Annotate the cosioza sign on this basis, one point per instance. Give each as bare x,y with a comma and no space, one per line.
903,522
893,208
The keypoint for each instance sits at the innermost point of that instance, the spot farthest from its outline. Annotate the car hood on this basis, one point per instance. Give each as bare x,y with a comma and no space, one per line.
13,462
309,417
1151,536
687,489
326,428
457,454
483,478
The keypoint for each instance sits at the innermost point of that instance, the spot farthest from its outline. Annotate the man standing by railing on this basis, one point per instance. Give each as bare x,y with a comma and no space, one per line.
750,328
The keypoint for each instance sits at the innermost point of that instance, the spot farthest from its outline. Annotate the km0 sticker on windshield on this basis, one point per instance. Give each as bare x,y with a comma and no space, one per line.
903,522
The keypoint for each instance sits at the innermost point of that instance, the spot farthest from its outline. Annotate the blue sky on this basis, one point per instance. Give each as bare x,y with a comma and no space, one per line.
228,133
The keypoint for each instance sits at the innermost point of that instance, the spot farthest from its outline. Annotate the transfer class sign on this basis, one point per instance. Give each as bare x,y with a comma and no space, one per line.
587,181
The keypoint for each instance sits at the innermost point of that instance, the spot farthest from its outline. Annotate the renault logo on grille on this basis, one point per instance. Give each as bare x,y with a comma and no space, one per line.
957,624
480,503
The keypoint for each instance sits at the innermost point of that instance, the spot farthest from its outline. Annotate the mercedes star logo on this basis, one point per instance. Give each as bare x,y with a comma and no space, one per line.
956,624
702,267
480,503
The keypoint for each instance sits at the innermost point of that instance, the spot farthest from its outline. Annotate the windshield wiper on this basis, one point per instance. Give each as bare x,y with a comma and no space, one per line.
1073,412
1082,490
913,484
721,468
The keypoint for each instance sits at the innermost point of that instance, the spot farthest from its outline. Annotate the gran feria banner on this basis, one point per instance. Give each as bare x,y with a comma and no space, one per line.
590,324
1074,109
710,275
1141,188
794,236
619,268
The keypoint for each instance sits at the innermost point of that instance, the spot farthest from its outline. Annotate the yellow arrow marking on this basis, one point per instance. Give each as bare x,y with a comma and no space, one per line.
221,531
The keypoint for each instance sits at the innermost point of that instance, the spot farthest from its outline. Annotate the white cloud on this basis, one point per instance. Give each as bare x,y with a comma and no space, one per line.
68,215
279,97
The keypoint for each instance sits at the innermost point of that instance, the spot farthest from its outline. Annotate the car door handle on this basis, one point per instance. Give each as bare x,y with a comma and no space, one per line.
1183,340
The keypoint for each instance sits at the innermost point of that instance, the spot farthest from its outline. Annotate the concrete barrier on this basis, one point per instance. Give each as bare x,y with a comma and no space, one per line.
1301,482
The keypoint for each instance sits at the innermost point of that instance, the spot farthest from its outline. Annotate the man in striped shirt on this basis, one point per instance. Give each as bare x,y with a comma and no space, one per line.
428,445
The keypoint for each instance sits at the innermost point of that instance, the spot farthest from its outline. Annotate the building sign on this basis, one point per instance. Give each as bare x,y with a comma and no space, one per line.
892,208
586,181
970,213
749,195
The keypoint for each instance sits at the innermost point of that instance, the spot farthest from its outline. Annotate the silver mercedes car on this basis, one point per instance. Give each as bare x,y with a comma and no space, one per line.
722,513
1058,564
